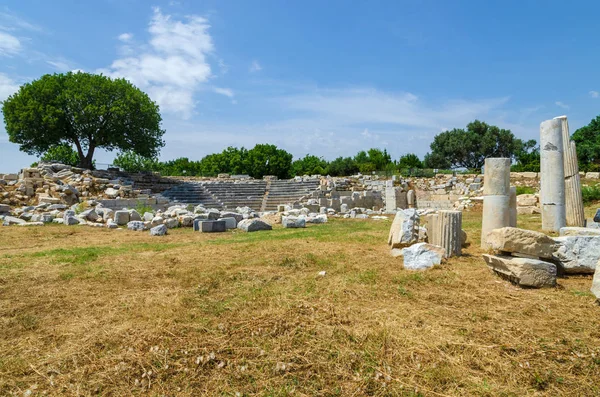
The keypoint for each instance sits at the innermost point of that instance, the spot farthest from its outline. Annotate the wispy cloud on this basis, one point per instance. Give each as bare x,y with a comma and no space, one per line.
60,65
125,37
9,44
224,91
594,94
173,65
255,67
562,105
7,86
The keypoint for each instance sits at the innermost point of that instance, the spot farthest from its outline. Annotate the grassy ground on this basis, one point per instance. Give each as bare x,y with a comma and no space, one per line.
87,311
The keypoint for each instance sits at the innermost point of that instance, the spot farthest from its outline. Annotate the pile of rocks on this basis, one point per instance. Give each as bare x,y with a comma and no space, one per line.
533,259
51,183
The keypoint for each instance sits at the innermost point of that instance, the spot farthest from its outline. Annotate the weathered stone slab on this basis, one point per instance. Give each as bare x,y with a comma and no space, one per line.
253,225
293,222
578,231
212,226
525,272
529,242
527,200
578,254
405,229
596,283
422,256
4,209
230,222
135,225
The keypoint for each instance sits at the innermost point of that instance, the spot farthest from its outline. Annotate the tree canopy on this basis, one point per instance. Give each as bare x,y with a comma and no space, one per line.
85,110
469,147
587,139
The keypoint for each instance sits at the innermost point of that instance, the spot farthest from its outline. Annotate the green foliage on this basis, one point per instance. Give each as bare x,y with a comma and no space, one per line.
588,145
469,148
528,157
142,208
342,166
132,162
309,165
590,193
525,190
410,160
62,153
86,111
264,159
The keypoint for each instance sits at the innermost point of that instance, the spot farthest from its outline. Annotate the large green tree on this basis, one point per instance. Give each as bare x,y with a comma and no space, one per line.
264,159
587,139
410,160
469,147
85,110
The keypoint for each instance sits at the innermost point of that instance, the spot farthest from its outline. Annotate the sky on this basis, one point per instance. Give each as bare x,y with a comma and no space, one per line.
328,78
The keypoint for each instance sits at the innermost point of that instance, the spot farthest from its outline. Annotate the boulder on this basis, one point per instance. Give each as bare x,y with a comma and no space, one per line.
134,215
137,226
111,224
405,229
186,220
159,230
121,217
273,218
4,209
229,214
253,225
422,256
148,216
528,242
321,218
90,215
171,223
578,254
293,222
525,272
578,231
528,210
596,284
11,220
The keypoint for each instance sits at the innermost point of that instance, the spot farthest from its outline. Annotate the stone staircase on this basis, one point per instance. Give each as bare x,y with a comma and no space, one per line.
288,191
238,194
258,195
192,193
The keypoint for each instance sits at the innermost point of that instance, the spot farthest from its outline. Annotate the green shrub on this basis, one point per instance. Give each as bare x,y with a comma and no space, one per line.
590,193
525,190
141,208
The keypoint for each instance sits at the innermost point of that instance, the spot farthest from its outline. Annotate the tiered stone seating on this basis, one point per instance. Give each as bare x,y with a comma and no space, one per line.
288,191
192,193
238,194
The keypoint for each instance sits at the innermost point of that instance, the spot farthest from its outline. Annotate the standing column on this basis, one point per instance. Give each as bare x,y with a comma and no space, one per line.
496,196
450,232
552,174
411,199
573,198
512,216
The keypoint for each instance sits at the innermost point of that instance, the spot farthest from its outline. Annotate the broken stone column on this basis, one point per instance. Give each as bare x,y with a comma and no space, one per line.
411,199
496,197
512,215
552,174
432,229
449,230
573,198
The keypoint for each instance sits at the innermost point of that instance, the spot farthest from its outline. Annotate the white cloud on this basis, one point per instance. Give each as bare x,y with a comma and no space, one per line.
7,86
125,37
10,21
9,44
255,67
60,65
224,91
561,105
594,94
173,65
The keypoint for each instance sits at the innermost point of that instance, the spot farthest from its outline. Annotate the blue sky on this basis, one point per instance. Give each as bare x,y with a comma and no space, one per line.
322,77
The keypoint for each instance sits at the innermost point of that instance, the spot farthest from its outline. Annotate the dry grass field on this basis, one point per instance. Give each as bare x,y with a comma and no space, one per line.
87,311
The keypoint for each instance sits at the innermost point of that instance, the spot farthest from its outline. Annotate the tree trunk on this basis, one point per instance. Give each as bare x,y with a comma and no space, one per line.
87,161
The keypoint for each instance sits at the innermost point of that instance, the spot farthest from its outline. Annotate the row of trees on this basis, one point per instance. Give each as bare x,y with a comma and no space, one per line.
67,117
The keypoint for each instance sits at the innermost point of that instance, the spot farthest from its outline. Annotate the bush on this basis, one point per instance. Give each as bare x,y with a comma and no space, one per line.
590,193
525,190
